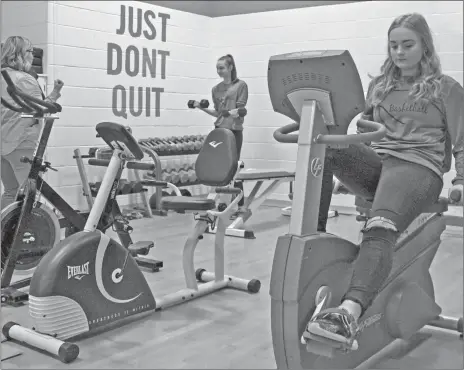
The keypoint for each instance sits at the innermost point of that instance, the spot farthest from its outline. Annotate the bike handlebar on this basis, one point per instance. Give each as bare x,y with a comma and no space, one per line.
132,165
282,134
28,103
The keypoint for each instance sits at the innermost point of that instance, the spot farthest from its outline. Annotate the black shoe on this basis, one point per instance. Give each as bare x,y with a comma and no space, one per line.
334,326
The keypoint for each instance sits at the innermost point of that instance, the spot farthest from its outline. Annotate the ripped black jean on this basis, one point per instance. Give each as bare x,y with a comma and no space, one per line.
399,191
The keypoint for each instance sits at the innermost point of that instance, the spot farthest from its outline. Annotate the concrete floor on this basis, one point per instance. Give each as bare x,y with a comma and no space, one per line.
231,329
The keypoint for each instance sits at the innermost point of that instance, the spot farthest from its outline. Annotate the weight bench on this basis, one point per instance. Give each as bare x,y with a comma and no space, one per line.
217,165
238,227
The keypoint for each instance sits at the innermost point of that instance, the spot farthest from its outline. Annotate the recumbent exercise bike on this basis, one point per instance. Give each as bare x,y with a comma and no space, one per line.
89,283
322,92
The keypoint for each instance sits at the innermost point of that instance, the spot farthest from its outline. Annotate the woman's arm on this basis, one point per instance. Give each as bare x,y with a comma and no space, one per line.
242,99
242,95
211,112
454,106
30,86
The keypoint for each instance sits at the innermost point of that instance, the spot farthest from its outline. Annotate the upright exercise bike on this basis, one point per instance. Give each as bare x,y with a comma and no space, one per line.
31,228
322,92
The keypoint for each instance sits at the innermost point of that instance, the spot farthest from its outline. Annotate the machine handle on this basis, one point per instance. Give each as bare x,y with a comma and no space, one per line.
141,166
132,165
29,103
283,134
99,162
378,133
226,190
154,183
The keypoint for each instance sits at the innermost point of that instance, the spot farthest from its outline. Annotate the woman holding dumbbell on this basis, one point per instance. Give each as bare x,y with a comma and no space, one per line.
19,135
230,97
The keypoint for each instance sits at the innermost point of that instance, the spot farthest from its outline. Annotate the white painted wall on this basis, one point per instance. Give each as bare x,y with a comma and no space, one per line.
25,18
75,35
77,40
359,27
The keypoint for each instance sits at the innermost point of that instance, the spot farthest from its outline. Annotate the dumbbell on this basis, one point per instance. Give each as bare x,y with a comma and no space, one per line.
176,142
171,165
242,112
129,187
198,142
151,143
188,143
166,176
183,192
204,103
187,176
165,146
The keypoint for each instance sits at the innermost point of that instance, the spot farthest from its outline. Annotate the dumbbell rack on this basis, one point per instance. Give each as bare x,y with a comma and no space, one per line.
157,174
104,153
125,187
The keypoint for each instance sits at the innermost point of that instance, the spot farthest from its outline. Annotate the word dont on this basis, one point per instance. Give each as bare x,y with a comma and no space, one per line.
133,61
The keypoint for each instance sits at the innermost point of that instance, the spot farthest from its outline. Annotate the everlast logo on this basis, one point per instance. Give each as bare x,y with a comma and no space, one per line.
78,272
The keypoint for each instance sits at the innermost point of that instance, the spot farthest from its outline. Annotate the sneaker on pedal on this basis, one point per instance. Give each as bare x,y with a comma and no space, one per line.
335,327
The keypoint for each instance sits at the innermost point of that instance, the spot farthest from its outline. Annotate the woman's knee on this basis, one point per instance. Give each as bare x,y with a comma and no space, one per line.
380,223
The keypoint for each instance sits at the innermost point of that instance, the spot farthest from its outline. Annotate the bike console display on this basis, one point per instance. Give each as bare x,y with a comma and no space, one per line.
328,76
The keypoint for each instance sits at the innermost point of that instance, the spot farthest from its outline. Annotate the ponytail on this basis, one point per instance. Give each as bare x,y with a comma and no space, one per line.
229,59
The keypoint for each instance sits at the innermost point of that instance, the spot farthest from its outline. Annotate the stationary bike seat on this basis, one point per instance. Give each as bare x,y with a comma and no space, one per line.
180,203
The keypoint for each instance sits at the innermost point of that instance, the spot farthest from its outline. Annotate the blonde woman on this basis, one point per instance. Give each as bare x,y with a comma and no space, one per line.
422,110
19,136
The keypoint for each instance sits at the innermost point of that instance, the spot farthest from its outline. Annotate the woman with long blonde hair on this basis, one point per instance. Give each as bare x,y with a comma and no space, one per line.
422,110
19,136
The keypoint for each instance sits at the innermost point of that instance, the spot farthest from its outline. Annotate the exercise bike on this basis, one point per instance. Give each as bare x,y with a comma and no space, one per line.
31,228
89,283
322,92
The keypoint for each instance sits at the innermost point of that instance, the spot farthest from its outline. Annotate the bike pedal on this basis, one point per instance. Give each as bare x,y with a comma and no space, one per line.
153,265
13,297
141,247
340,345
320,349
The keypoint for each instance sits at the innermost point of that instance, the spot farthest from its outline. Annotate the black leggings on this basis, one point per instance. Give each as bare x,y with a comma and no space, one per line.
399,191
239,141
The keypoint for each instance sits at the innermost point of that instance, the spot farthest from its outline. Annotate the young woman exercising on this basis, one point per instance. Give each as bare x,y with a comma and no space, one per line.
19,135
423,111
229,95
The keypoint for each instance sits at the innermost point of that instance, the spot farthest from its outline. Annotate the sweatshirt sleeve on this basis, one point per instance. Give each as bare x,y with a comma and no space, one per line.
369,110
30,86
242,95
215,99
454,108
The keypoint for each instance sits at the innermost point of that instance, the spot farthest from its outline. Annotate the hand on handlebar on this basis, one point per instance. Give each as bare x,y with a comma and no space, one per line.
456,194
